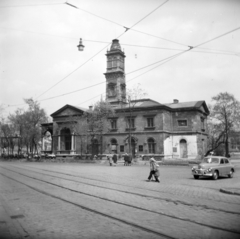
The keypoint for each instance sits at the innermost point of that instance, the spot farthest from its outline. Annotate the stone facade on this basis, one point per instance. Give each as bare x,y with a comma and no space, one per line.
145,127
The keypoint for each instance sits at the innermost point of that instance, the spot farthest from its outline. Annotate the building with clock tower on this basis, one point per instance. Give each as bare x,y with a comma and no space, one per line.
140,127
115,75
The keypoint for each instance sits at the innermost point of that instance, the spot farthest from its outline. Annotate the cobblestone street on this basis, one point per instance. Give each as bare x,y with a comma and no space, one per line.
71,200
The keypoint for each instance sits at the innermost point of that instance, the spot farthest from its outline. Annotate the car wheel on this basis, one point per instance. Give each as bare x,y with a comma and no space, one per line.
215,175
196,176
230,175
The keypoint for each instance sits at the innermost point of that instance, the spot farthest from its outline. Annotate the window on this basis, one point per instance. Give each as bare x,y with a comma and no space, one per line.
140,148
151,146
226,161
121,148
115,62
221,162
130,123
113,123
202,123
150,122
114,145
182,122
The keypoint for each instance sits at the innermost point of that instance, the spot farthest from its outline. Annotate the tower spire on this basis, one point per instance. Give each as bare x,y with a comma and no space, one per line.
115,75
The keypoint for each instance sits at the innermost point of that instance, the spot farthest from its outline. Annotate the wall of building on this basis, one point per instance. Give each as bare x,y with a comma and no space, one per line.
172,146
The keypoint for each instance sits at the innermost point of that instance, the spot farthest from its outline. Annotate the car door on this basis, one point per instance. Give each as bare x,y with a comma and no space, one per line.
221,167
227,166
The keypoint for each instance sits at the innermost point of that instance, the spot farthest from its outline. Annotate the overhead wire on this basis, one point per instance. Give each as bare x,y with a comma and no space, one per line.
163,62
128,28
174,56
105,81
94,54
210,51
169,58
86,61
33,5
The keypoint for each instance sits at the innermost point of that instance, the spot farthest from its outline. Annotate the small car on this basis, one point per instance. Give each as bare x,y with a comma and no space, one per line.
214,167
51,156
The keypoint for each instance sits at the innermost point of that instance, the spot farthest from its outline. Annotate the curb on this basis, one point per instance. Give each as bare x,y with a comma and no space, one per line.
231,191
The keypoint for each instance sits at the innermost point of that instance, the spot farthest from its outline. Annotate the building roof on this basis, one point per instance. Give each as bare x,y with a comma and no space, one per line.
190,104
144,103
176,105
184,104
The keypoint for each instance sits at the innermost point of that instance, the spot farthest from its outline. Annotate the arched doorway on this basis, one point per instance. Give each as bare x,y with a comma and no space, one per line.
95,147
47,142
66,141
133,147
183,148
114,146
151,146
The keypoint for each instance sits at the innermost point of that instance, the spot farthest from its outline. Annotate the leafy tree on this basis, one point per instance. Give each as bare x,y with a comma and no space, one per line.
1,123
28,124
97,120
224,118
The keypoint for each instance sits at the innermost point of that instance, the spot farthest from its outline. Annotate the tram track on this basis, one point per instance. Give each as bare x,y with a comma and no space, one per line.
176,202
102,198
129,223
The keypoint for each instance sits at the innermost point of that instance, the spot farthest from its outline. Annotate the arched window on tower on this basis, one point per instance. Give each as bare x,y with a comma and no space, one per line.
111,89
114,61
109,62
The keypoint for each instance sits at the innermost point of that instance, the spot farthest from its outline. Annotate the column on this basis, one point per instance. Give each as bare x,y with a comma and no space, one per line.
72,144
59,143
42,143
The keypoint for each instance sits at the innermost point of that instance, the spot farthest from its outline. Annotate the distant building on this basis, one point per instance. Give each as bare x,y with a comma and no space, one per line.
173,130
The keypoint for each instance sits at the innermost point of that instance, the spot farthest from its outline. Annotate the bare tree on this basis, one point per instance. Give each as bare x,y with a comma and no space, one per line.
132,98
224,118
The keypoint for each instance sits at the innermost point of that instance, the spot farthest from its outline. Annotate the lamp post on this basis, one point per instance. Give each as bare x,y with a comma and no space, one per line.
80,46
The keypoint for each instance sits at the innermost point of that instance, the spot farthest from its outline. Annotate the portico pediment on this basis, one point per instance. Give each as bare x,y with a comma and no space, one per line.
68,110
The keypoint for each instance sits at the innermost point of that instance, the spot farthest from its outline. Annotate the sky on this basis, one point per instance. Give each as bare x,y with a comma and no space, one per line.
39,58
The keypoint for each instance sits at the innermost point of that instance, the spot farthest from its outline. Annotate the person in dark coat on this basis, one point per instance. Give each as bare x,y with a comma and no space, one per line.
125,157
115,158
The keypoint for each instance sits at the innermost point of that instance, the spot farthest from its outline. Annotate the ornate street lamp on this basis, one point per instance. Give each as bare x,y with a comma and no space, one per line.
80,46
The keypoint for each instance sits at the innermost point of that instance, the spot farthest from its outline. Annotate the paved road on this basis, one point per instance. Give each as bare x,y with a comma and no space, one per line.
57,200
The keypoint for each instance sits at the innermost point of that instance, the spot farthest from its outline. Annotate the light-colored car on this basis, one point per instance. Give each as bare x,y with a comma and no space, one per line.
214,167
51,156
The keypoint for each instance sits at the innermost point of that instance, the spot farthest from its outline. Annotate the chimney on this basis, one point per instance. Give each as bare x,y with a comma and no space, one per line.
175,101
90,107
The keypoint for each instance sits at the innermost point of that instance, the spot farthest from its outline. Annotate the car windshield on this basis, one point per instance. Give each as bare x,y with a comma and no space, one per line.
211,160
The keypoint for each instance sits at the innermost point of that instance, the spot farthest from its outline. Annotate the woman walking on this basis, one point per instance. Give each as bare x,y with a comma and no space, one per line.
154,170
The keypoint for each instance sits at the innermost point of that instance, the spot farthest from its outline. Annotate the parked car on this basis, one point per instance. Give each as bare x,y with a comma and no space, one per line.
50,156
36,156
214,167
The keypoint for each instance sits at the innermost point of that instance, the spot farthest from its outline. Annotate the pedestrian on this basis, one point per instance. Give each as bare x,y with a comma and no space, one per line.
157,173
115,158
109,158
125,157
154,171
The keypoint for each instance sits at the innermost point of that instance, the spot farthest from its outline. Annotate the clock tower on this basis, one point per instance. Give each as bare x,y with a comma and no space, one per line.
115,75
